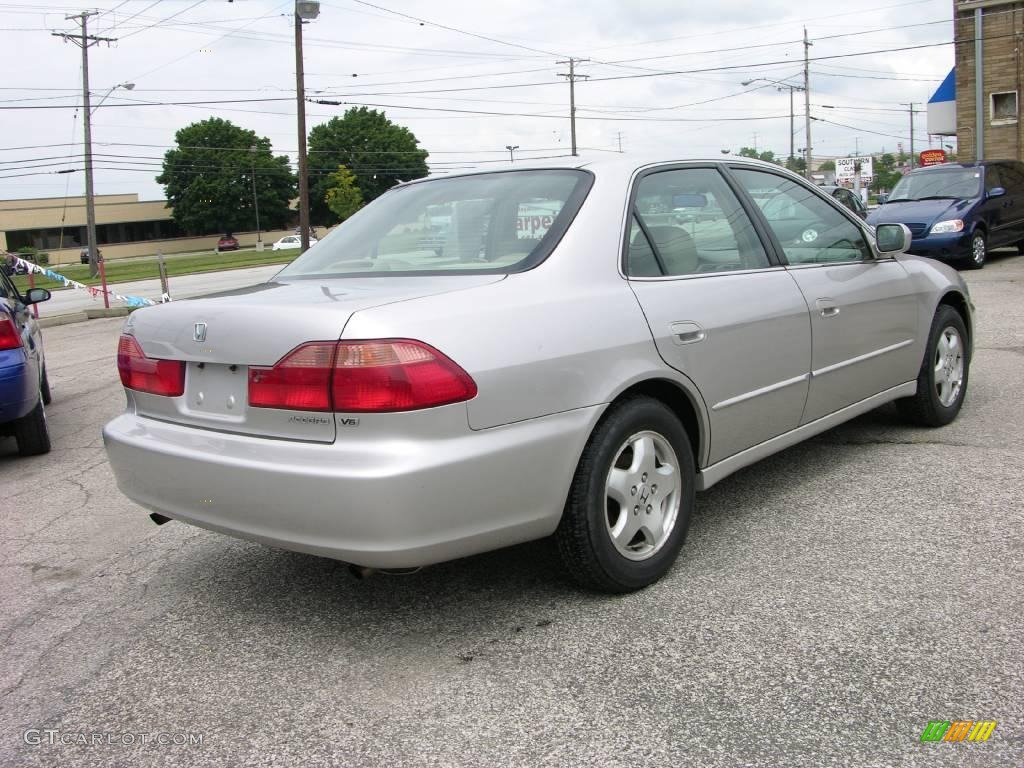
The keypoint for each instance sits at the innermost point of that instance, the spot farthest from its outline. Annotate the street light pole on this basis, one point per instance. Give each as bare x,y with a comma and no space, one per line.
304,9
511,149
792,89
255,200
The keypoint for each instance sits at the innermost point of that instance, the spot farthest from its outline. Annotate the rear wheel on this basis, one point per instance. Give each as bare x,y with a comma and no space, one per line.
44,388
979,251
31,432
631,499
942,381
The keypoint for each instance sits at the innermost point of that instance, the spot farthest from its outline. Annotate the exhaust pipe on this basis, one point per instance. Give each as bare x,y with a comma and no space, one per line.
159,519
361,572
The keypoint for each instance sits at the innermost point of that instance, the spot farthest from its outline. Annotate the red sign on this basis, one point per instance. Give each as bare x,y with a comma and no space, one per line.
933,157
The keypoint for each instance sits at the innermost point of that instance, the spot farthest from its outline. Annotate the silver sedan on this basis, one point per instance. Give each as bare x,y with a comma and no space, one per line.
475,361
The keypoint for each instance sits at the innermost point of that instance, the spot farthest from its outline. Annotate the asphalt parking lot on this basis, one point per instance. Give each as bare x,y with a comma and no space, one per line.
830,602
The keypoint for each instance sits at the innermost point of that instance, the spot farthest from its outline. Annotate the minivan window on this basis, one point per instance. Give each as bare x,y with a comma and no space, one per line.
952,183
992,178
487,223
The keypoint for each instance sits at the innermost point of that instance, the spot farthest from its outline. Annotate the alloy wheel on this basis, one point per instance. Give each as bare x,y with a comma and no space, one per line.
642,495
949,366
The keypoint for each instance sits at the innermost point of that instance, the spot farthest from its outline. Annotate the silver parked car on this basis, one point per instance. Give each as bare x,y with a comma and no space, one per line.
575,351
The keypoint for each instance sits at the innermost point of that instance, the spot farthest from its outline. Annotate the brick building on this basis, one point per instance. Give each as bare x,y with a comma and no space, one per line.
1000,26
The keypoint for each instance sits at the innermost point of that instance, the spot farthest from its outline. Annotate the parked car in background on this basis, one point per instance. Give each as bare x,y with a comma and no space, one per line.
10,267
24,386
849,198
401,406
83,255
958,212
227,243
290,241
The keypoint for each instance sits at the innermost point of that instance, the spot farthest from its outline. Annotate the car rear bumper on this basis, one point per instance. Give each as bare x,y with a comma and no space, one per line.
952,247
383,503
18,395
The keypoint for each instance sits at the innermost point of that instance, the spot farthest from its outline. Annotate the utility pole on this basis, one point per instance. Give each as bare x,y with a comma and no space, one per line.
572,77
807,102
913,112
619,135
85,41
303,10
255,200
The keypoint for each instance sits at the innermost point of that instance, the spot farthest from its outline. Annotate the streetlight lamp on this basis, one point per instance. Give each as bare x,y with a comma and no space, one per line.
305,10
126,86
792,88
255,200
511,149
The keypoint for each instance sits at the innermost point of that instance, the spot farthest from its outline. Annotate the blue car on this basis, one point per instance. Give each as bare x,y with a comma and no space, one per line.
958,212
24,388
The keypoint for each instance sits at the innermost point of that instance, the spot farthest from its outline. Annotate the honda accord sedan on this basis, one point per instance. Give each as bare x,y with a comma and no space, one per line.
578,351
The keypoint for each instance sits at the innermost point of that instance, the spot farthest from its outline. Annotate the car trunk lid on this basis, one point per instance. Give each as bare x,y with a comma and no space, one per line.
220,336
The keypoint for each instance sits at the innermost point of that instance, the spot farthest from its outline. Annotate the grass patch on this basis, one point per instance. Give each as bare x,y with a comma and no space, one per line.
146,269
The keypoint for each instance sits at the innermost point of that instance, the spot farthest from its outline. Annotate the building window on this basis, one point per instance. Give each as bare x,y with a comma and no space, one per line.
1004,107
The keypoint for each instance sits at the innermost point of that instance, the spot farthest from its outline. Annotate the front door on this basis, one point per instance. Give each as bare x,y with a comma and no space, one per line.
719,310
864,310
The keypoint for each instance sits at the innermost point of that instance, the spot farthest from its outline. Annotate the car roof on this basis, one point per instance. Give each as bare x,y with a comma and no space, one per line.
612,162
973,164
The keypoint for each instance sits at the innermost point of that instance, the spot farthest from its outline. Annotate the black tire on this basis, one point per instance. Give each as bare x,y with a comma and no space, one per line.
31,432
926,408
583,536
44,388
979,251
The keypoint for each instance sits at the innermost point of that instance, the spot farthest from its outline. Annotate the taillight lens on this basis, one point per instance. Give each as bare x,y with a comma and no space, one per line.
361,377
145,374
9,336
396,375
300,381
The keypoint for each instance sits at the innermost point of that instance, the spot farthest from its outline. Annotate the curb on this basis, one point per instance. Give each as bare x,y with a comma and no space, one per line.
74,317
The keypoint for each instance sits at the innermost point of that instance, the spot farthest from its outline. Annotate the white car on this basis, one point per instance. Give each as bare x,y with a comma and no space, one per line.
291,241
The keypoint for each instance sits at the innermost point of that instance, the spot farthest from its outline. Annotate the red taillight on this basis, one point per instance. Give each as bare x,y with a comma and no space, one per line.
9,336
300,381
360,376
144,374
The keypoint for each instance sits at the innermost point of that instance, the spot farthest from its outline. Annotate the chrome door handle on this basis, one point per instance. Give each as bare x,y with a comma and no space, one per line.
827,307
687,333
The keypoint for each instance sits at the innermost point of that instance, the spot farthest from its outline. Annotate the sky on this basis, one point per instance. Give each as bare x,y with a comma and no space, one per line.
467,77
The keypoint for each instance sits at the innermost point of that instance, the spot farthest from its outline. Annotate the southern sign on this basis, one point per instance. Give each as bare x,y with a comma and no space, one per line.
845,168
933,157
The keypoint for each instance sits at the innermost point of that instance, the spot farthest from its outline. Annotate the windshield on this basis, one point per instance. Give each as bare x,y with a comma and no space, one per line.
960,183
487,223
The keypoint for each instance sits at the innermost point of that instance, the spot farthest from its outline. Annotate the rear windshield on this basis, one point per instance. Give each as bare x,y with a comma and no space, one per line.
494,222
958,183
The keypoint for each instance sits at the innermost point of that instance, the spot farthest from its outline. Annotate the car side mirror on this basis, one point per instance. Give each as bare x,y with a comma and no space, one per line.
892,239
35,296
995,192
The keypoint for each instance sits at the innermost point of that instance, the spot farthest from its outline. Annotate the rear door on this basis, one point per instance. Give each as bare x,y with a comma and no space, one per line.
720,311
863,310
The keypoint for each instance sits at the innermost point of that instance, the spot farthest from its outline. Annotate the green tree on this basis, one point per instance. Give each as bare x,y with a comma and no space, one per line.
208,179
886,174
768,157
343,196
796,164
378,152
828,165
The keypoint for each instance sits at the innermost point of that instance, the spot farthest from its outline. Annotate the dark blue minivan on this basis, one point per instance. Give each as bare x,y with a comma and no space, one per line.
957,212
24,387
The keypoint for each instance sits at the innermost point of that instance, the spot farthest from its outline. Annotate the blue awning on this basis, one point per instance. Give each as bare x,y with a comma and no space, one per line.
946,91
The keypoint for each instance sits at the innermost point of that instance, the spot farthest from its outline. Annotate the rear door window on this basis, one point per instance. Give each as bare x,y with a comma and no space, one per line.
687,222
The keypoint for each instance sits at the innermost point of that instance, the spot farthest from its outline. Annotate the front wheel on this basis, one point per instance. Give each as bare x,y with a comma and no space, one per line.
631,499
942,380
979,251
